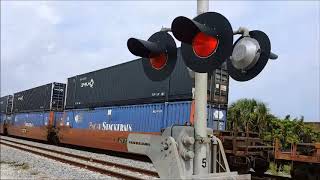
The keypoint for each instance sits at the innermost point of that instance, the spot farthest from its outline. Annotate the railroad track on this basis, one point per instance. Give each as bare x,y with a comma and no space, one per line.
65,158
92,164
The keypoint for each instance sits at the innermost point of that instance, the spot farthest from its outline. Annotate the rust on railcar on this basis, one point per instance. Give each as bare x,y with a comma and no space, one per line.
295,155
108,140
51,118
39,133
243,143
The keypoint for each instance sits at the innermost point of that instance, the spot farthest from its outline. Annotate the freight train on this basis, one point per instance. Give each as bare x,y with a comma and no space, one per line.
99,109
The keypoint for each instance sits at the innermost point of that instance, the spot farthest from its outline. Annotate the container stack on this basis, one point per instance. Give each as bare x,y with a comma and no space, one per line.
6,104
49,97
103,96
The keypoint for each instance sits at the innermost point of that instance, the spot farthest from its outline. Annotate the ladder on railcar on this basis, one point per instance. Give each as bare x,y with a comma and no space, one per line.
58,93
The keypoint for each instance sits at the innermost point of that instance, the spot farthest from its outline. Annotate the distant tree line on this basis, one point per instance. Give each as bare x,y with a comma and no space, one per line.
250,115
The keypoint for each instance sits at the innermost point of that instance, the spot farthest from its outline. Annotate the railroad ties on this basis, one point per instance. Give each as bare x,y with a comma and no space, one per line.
96,165
114,169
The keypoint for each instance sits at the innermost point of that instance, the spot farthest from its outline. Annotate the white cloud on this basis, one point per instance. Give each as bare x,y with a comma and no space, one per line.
49,41
47,13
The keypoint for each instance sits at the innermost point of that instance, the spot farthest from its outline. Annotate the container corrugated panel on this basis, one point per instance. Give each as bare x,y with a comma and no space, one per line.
5,118
34,119
135,118
42,98
176,113
122,118
58,117
6,104
70,93
117,85
2,118
126,84
181,81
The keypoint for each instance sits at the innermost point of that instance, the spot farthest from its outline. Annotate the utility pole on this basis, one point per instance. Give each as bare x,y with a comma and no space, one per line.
200,123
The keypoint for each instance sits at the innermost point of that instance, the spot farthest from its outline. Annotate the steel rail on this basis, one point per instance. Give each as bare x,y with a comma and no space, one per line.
108,163
72,162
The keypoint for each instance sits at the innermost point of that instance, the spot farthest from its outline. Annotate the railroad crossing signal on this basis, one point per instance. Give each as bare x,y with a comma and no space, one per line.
249,56
206,43
159,54
206,40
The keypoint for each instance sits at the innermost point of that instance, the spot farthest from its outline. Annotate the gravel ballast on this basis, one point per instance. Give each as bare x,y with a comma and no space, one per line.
17,164
134,163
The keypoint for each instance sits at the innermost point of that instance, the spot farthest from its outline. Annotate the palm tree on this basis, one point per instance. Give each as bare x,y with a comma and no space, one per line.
234,116
261,112
248,115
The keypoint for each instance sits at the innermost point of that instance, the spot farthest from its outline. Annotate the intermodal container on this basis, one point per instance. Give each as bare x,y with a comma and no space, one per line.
126,84
5,118
138,118
181,82
6,104
116,85
32,119
2,118
49,97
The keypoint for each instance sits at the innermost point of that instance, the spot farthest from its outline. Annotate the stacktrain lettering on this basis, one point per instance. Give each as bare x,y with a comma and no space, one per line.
110,127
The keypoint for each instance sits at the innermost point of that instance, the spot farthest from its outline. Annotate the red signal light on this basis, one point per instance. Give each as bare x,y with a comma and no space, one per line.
159,62
204,45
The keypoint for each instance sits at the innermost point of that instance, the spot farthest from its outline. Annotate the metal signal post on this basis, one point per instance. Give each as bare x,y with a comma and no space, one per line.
200,124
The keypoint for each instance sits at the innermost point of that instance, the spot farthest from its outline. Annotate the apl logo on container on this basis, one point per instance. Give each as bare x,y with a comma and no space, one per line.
87,84
20,98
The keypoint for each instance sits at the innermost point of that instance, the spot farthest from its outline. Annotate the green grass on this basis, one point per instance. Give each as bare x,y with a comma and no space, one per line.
286,169
273,169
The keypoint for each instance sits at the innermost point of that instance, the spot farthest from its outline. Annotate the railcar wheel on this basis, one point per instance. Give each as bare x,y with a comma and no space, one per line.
5,131
240,164
53,138
260,165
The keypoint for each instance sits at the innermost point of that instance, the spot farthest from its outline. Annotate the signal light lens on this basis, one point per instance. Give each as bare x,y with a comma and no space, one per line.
159,62
204,45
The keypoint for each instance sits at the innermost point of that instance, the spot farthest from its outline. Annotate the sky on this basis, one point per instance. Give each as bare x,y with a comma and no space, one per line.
46,41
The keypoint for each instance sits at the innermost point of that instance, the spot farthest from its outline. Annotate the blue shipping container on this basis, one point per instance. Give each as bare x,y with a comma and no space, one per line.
2,118
137,118
34,119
